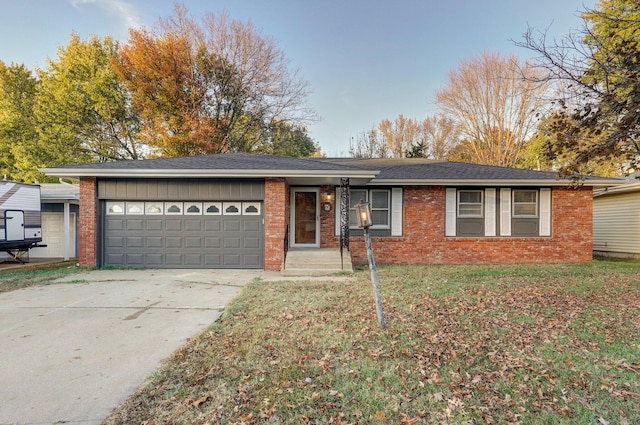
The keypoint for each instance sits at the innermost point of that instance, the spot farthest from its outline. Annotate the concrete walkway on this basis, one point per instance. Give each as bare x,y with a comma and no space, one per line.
71,353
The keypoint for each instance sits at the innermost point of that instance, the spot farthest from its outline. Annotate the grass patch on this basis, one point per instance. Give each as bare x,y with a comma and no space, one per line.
463,345
42,274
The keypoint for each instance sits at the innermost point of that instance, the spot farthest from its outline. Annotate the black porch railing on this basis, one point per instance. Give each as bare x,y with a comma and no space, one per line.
286,246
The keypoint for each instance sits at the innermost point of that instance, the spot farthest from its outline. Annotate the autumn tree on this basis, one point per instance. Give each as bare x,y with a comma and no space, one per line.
17,127
495,106
597,71
212,86
440,136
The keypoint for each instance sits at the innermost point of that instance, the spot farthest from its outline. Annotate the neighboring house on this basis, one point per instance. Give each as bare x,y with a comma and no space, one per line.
245,211
616,221
60,207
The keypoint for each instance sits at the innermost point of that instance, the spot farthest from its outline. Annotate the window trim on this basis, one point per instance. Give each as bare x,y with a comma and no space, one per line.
536,203
480,204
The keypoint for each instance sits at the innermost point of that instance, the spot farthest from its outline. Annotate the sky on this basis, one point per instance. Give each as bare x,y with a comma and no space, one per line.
364,60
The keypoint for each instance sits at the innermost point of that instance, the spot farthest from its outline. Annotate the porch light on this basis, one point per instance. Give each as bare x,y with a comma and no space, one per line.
364,214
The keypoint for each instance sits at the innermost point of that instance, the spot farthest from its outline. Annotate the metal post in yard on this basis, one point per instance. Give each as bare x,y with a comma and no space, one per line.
364,220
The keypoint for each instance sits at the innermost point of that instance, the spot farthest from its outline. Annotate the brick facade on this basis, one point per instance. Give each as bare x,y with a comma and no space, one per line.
276,219
423,239
88,222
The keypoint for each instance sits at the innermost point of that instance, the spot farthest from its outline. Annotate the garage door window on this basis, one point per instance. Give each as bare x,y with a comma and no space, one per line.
232,208
153,208
193,208
173,208
135,208
251,208
115,208
213,208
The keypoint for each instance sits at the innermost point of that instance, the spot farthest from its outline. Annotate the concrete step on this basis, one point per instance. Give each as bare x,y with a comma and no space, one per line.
316,262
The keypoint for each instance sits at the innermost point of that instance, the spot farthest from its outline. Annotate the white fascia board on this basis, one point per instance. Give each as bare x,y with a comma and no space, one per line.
490,183
155,173
622,188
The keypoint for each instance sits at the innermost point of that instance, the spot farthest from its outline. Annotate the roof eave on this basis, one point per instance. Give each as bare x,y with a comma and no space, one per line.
491,182
217,173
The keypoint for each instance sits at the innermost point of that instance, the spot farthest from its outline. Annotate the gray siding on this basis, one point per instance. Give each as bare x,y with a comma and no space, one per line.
182,189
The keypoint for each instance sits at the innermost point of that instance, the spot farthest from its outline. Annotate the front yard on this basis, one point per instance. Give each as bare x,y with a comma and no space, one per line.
463,345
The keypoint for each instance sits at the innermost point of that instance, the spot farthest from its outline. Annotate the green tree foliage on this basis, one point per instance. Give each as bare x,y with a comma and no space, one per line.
17,129
82,109
597,115
209,87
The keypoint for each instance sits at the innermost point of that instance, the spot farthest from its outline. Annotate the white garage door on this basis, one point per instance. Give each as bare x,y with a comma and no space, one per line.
53,236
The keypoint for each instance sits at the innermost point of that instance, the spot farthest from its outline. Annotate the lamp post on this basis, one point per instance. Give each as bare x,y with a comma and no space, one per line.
364,221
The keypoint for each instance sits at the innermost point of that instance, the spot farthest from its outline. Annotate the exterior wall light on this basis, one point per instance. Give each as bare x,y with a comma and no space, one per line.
364,215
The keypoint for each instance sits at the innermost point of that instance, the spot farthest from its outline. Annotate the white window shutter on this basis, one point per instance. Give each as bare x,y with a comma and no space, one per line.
450,212
545,212
396,211
505,212
489,212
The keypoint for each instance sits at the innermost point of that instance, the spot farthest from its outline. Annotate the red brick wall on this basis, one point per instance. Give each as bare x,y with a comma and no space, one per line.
276,218
328,218
88,222
423,239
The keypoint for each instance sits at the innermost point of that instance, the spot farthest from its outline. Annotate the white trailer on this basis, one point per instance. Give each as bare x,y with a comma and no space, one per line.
20,218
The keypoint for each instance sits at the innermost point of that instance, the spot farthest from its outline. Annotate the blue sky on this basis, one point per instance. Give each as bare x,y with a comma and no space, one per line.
364,60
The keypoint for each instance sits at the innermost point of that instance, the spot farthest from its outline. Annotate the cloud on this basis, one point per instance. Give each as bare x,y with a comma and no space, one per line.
120,9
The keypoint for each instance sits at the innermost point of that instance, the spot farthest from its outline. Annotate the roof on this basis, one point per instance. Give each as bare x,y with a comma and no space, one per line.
59,192
376,171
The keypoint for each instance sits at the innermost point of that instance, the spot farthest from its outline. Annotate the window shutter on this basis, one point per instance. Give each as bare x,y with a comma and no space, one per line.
489,212
545,212
505,212
450,212
396,211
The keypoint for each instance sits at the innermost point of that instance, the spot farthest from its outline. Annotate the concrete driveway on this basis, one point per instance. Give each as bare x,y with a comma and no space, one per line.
70,353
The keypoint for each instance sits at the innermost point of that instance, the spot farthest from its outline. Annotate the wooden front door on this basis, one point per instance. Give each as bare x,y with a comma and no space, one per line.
304,216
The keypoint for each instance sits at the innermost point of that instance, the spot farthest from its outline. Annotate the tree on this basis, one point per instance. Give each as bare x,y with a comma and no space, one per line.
289,140
597,71
368,144
17,127
82,109
399,136
209,87
440,135
495,108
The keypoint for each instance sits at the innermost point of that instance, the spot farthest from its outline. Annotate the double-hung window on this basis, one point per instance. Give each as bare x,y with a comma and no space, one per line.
525,203
379,200
470,203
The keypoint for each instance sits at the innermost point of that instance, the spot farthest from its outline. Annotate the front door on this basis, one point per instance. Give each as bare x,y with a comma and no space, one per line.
305,231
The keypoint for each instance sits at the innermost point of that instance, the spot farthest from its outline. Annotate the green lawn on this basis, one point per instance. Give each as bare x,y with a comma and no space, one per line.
552,344
35,274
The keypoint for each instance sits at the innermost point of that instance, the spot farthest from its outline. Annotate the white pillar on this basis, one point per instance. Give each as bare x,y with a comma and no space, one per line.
65,236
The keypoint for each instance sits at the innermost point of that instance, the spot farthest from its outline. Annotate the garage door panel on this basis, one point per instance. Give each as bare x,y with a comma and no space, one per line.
193,242
173,242
212,225
154,241
213,242
251,243
155,260
173,225
184,241
115,241
134,224
173,259
114,224
154,224
135,242
231,225
193,225
135,259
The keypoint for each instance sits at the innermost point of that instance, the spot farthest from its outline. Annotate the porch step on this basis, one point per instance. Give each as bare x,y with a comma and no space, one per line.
316,262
